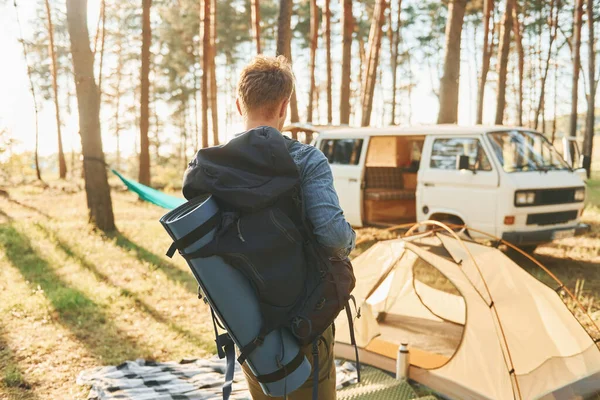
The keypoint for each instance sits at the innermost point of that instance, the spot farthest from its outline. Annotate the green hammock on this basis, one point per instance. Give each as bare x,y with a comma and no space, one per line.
151,195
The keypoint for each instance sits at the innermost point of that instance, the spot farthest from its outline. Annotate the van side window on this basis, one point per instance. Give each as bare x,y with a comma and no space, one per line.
445,152
342,151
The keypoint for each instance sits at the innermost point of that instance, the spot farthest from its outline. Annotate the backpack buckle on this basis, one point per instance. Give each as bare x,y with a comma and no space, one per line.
258,341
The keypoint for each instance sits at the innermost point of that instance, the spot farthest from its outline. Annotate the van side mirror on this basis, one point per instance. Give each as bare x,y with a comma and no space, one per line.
462,162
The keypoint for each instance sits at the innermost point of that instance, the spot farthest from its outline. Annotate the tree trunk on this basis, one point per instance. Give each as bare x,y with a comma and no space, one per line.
521,55
255,15
196,121
183,132
205,39
554,113
577,22
448,113
103,15
588,139
411,84
395,42
542,99
361,75
213,73
62,164
347,29
144,173
119,73
327,31
488,7
503,50
375,34
284,47
314,34
33,95
96,182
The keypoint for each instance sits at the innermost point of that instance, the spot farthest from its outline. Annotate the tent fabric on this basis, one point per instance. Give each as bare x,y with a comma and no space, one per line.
509,321
151,195
543,331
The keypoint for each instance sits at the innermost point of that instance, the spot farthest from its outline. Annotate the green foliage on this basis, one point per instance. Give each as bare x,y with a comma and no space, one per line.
13,377
39,51
301,23
233,27
18,169
593,191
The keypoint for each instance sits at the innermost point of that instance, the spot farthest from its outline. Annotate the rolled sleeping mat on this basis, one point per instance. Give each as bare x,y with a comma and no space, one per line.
234,301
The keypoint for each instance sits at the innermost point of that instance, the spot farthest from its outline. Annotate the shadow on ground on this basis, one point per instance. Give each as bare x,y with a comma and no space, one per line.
12,380
72,308
145,307
174,273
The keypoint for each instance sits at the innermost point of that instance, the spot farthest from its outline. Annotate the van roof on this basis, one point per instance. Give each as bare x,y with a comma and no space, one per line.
416,130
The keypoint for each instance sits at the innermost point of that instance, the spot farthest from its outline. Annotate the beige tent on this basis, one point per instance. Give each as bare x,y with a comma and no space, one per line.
495,333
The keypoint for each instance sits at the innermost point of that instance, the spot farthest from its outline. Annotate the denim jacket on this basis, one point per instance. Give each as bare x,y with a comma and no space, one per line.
321,201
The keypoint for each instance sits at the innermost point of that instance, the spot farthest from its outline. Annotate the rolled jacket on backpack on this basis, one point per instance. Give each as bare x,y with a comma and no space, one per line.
233,299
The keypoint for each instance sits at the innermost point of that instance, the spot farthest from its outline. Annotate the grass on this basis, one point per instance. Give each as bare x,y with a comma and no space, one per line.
13,378
593,186
72,298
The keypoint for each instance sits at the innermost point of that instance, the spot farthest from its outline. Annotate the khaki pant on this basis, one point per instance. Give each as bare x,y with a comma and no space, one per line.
326,374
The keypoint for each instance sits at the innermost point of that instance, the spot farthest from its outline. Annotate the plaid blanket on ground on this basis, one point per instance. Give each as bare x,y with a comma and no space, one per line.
200,379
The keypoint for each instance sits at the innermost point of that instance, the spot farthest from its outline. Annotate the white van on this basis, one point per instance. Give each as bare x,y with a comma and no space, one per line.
509,182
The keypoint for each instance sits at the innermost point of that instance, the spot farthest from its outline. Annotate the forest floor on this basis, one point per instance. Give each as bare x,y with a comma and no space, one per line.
72,298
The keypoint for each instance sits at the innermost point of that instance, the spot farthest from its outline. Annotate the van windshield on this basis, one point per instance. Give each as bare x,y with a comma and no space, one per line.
525,151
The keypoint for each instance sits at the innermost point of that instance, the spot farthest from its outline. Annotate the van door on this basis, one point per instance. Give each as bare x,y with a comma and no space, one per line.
347,158
469,194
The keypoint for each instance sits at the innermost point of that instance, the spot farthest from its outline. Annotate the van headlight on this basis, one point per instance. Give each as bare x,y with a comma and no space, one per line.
524,198
580,194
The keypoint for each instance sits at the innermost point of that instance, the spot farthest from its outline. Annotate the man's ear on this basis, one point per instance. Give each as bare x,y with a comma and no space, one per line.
283,108
239,108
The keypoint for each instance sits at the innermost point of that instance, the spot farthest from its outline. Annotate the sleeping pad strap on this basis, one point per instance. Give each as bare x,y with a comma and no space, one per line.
225,349
353,338
195,235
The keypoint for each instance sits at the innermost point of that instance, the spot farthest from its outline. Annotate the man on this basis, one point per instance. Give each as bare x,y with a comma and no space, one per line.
264,89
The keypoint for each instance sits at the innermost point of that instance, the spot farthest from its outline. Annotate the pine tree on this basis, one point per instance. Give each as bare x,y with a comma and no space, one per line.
314,34
553,34
372,61
521,63
255,13
327,32
347,29
62,164
144,172
503,50
96,181
284,47
488,39
213,73
394,43
448,113
588,140
575,46
205,40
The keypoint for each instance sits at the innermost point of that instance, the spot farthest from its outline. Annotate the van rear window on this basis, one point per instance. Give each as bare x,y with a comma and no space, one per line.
342,151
